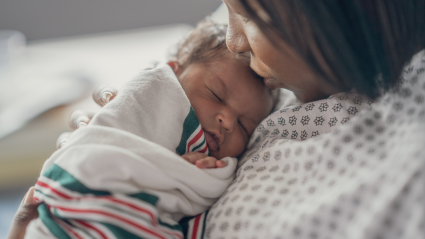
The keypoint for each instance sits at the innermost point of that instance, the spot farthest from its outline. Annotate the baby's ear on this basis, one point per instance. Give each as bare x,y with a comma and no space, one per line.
175,66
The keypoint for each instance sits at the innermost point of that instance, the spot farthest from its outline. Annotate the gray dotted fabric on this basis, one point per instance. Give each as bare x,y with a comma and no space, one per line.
301,122
363,179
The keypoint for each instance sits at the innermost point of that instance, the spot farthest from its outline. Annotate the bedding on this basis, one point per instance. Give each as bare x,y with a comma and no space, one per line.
121,176
361,176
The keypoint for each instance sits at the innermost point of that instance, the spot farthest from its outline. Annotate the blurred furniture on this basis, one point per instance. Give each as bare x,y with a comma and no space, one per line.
107,59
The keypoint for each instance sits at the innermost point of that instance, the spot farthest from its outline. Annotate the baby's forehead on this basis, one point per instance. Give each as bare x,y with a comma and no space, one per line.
243,83
235,72
229,63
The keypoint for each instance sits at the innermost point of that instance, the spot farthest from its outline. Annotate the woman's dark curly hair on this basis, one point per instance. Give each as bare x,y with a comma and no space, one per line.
366,43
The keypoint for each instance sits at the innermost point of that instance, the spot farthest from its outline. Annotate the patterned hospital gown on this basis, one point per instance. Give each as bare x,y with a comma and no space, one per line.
344,167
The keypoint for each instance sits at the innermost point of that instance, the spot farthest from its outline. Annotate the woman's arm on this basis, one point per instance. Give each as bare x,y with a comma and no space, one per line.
27,211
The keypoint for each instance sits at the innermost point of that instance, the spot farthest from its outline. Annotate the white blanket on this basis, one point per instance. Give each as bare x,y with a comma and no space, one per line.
120,176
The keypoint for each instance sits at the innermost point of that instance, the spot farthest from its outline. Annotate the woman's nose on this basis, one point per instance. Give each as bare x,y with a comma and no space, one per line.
236,40
227,119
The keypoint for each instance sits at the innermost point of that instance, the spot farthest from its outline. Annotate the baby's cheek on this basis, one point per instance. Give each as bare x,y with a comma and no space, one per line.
236,146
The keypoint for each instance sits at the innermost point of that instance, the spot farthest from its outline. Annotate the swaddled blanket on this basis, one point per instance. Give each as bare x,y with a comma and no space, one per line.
120,176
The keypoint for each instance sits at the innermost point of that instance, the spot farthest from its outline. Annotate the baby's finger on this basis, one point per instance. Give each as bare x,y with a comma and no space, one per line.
79,119
103,94
192,157
220,164
209,162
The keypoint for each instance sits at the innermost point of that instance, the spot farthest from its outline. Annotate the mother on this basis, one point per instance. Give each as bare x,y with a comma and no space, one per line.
363,180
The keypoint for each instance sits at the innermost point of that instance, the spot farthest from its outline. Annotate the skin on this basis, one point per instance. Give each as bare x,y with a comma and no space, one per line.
27,211
279,64
229,100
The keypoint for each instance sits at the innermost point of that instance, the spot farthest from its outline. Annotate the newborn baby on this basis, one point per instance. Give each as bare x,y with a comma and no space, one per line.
120,176
229,99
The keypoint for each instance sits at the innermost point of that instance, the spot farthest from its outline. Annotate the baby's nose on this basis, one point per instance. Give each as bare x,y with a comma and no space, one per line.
227,119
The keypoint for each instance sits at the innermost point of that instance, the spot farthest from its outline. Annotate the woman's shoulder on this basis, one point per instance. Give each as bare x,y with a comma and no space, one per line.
376,159
293,121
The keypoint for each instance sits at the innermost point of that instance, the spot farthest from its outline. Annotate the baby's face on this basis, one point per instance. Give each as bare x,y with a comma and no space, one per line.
229,100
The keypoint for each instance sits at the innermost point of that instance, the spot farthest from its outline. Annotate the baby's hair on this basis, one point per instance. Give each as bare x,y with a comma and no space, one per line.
204,44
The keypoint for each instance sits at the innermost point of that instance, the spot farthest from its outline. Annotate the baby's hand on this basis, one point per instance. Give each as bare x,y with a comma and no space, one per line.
202,160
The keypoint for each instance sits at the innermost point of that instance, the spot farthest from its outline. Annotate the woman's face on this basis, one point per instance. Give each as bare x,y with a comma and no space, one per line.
279,64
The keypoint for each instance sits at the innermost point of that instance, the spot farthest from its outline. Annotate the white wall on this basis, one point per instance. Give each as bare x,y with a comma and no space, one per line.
40,19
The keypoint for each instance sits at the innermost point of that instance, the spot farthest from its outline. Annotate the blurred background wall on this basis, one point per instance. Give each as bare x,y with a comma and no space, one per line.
40,19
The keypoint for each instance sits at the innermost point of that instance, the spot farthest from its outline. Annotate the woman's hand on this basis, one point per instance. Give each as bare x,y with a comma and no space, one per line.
202,160
27,211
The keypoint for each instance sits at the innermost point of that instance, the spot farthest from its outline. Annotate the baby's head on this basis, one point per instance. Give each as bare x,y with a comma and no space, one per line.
229,99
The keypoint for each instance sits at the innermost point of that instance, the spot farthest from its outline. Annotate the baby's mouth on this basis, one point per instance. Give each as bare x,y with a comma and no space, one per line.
212,141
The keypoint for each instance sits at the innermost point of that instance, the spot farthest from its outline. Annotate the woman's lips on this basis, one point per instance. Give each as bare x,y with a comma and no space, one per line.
272,83
212,141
